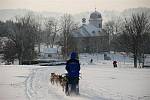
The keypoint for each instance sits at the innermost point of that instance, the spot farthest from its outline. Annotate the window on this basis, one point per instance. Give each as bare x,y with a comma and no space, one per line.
93,31
49,55
99,16
99,25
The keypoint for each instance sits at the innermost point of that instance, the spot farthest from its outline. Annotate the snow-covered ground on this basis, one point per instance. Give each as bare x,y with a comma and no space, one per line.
100,81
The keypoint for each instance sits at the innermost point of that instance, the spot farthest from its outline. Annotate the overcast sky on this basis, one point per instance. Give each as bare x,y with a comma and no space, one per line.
73,6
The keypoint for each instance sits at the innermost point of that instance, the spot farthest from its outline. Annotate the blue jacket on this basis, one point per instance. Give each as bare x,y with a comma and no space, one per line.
73,66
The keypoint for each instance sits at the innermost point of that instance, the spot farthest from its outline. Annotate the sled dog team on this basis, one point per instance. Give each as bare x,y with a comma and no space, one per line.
69,82
58,80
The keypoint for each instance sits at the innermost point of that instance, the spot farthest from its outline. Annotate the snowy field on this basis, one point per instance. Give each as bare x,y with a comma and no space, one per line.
100,81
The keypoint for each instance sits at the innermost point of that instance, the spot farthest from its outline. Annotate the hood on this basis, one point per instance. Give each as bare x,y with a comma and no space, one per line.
74,55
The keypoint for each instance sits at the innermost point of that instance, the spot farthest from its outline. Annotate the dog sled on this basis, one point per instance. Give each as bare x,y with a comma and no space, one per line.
69,85
72,86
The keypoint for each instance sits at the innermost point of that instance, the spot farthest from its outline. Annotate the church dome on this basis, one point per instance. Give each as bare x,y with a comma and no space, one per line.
95,15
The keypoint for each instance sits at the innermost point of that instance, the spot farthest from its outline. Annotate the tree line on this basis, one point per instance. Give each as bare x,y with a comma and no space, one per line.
27,32
130,35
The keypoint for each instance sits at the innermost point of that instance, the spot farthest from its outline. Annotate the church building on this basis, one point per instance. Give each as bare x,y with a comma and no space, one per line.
91,37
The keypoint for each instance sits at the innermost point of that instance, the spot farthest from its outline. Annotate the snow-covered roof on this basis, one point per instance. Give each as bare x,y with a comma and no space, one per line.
4,39
95,15
88,30
50,50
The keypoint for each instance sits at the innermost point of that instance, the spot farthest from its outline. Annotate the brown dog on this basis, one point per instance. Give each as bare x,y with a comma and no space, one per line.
55,79
63,83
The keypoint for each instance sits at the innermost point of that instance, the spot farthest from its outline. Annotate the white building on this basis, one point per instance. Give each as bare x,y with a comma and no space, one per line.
91,37
49,53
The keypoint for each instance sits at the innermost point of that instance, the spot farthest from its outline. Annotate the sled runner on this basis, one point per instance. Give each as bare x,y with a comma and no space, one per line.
72,86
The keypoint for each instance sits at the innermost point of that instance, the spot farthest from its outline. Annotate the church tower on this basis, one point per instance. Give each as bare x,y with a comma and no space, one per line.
96,19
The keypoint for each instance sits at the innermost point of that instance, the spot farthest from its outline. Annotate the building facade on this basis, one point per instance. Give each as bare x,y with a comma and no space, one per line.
91,37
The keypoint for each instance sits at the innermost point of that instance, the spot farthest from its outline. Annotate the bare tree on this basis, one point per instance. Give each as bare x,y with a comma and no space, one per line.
38,36
136,29
9,54
51,31
23,34
2,29
39,32
67,26
113,26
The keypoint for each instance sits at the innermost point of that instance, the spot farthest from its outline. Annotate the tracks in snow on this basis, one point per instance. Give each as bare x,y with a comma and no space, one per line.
38,86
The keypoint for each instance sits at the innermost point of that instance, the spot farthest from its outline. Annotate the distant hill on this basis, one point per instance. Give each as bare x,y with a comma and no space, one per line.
106,15
109,15
6,14
130,11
